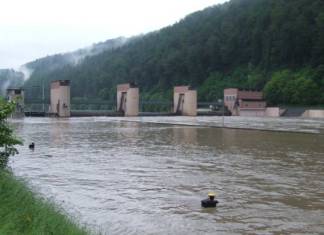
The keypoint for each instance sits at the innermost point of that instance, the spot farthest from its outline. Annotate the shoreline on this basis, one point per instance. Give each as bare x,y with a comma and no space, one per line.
22,211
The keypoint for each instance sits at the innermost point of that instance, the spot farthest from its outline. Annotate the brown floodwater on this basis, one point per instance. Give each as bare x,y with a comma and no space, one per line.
121,177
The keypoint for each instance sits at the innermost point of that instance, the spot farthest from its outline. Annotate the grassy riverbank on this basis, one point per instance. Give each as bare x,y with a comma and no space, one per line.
21,212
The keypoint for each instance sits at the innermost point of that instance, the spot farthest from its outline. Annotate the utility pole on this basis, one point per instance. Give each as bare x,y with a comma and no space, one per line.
43,95
223,112
222,102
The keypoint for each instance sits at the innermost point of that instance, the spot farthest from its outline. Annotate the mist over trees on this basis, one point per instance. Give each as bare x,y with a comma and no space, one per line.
271,45
10,78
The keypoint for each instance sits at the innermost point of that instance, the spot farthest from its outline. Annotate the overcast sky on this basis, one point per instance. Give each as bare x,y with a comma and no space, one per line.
30,29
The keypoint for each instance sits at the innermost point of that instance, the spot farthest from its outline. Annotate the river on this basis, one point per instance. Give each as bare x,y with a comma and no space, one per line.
133,176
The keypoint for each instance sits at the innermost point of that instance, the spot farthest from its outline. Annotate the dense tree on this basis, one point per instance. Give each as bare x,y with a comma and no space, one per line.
243,43
286,87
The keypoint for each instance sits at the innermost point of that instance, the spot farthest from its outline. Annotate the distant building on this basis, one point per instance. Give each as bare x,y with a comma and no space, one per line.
17,95
244,103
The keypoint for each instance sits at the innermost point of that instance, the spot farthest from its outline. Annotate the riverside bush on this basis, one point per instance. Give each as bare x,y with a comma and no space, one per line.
7,139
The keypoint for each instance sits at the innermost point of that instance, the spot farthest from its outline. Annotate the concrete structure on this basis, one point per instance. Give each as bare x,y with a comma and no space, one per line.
17,95
273,112
313,113
244,103
248,103
185,101
60,98
128,99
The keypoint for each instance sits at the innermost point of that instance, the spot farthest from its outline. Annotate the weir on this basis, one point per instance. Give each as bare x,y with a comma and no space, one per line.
128,103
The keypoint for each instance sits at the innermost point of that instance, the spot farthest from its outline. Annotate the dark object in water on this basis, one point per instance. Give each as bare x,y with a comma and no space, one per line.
32,146
210,201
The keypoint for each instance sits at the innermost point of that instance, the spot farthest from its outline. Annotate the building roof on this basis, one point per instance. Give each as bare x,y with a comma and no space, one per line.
126,86
250,95
255,100
67,82
57,83
182,89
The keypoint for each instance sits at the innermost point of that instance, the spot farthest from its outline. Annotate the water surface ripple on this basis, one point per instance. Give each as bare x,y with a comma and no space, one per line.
142,178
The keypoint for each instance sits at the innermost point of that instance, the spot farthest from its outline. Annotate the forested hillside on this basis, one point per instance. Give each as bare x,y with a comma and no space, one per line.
50,63
275,45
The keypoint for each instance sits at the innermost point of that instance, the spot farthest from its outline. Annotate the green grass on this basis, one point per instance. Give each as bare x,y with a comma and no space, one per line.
21,212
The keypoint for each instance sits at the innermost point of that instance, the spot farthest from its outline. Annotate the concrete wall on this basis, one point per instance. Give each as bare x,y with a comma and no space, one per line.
132,102
121,104
253,113
128,99
250,95
176,100
252,104
312,113
263,112
60,98
54,96
273,112
188,103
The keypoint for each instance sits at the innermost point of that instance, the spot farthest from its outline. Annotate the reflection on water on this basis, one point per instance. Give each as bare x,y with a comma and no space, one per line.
184,135
136,178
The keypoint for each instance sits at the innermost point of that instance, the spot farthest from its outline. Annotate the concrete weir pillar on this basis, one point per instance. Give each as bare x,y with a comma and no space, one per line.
185,101
60,98
128,99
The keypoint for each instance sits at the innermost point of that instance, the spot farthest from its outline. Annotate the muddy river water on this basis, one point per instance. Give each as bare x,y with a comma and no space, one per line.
135,177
